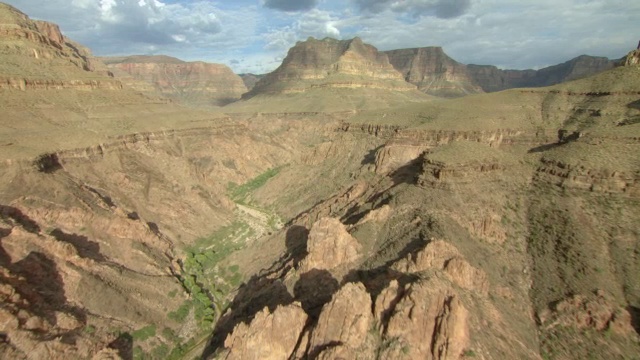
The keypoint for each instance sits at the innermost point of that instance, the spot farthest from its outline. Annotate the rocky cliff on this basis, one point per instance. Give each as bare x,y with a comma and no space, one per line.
433,71
195,83
37,56
331,63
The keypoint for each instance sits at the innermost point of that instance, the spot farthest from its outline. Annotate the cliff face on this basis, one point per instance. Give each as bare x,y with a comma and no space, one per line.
196,83
433,71
35,55
491,79
331,63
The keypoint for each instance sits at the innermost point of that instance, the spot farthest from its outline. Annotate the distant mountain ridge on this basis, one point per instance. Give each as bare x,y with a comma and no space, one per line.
491,79
352,63
331,63
435,73
195,83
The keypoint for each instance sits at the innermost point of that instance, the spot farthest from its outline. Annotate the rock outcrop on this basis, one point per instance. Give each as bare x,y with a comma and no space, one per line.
441,255
632,58
35,55
269,336
329,246
331,63
429,322
343,326
433,71
194,83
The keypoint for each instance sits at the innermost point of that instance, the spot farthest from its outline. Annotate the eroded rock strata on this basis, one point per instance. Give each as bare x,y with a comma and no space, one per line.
195,83
497,226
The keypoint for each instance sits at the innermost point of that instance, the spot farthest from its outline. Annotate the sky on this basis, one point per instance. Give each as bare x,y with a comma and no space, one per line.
255,35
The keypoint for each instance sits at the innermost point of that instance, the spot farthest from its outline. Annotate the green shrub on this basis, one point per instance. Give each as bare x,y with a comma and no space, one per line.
181,314
144,333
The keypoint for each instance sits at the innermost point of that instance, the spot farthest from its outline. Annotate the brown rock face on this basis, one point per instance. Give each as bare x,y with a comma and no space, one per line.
51,31
343,325
331,63
429,322
269,336
441,255
197,83
329,246
433,71
35,55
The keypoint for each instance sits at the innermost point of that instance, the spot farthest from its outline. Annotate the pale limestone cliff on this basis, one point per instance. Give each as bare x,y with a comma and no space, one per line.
331,63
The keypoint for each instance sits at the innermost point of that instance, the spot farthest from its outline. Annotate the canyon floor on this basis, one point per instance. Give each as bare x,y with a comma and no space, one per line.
332,222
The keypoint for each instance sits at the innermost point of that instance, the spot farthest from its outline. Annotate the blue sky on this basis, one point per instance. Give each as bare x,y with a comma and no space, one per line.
254,35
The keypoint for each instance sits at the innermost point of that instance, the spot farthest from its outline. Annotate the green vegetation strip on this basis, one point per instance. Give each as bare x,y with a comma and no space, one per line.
240,193
206,281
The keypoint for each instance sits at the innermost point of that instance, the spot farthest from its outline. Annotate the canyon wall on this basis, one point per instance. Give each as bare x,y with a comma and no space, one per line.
195,83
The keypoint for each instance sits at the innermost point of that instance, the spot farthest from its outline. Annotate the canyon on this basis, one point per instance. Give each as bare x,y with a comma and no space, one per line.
335,211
